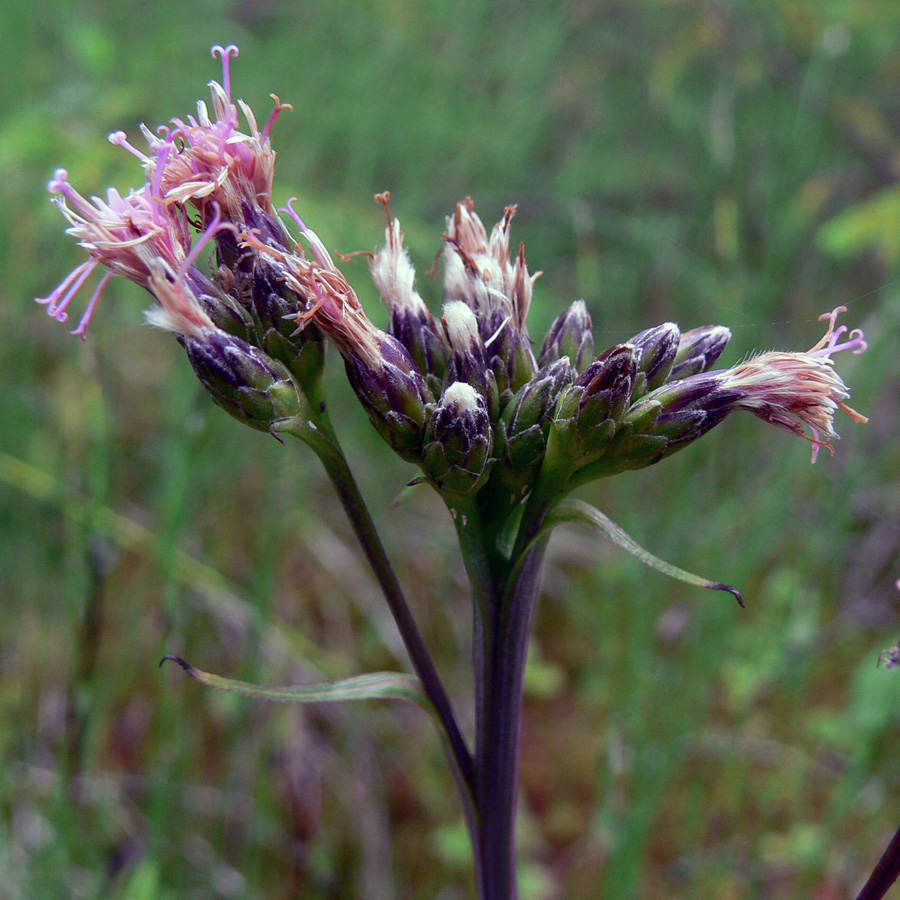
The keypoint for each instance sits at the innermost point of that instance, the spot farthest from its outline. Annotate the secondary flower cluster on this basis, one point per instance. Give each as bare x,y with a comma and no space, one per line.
463,395
477,404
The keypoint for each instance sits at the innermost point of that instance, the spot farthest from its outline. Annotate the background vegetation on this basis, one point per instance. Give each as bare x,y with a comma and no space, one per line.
731,162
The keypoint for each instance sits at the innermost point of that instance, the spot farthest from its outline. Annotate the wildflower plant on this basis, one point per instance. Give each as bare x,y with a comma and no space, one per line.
503,428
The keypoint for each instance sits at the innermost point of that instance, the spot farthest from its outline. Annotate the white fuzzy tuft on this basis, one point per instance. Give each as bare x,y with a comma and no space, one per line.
462,397
394,274
461,325
179,310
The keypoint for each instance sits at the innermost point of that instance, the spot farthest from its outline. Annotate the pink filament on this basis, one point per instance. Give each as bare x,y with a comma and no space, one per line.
60,298
225,54
81,330
119,138
279,108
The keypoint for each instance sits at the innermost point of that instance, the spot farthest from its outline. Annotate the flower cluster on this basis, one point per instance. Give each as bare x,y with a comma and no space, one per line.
205,182
465,397
462,395
502,428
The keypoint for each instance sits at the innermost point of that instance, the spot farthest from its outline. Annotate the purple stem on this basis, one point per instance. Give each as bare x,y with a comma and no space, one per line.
499,729
885,873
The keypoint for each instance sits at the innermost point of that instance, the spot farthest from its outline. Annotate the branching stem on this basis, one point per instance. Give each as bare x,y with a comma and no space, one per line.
322,439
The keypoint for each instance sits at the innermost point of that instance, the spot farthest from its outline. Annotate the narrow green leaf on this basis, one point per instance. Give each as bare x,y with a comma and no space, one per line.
373,686
580,512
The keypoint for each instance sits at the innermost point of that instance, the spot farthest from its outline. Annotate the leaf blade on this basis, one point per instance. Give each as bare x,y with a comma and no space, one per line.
578,511
371,686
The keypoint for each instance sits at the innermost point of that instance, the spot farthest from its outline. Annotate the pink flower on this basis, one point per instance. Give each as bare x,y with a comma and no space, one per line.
208,163
213,161
793,390
124,234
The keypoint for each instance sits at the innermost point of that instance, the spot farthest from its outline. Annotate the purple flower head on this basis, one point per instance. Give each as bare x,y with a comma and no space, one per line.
208,163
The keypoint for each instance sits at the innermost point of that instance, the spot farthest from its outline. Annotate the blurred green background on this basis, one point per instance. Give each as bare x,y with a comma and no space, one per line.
731,162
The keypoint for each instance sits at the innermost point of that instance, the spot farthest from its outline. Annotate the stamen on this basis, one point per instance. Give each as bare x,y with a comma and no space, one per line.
57,301
830,318
829,342
496,334
60,178
214,228
279,109
156,197
120,138
81,330
59,184
318,248
856,416
225,54
816,442
315,242
289,209
384,198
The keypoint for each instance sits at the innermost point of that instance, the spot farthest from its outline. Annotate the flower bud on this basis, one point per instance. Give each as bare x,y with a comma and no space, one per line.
223,307
666,420
417,330
276,306
521,362
698,349
654,353
457,456
227,314
522,430
795,391
394,394
468,362
411,321
569,335
587,412
242,379
508,352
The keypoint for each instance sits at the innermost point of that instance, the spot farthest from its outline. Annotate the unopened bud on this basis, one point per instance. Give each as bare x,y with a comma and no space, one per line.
569,335
654,353
225,311
698,349
468,361
394,394
509,353
461,326
417,330
587,412
522,364
457,457
242,379
276,307
668,419
522,431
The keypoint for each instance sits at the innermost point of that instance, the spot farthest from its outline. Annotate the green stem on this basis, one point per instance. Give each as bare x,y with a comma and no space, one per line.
477,554
550,487
322,439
